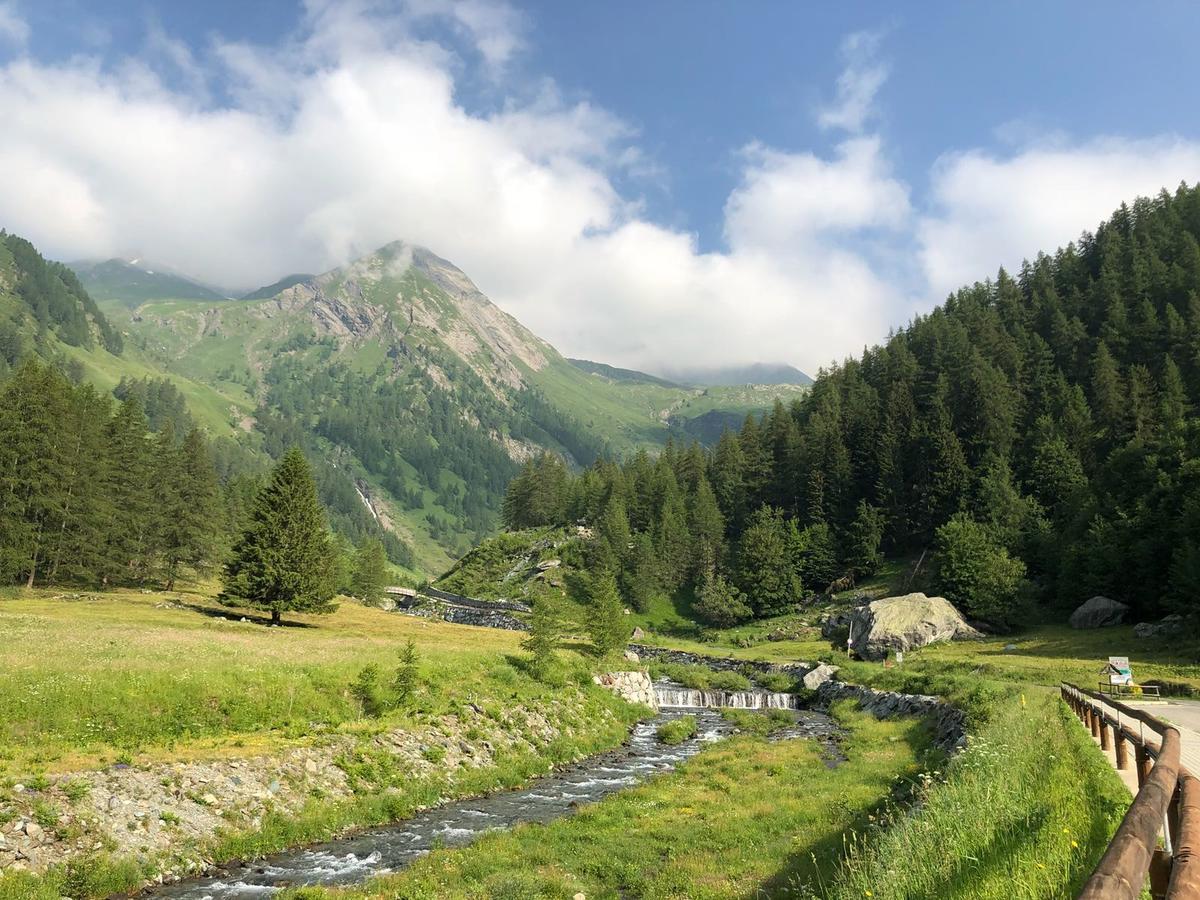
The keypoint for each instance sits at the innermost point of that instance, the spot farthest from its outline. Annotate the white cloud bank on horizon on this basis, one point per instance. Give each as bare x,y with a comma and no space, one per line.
350,136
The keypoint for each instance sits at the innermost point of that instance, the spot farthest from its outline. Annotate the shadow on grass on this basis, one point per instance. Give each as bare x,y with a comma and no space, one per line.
236,614
805,866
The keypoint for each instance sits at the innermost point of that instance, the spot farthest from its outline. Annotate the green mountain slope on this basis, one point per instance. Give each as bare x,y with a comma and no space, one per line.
128,283
414,394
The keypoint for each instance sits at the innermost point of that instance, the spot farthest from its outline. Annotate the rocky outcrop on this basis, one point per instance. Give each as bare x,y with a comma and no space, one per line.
635,687
948,722
905,623
1098,612
1168,626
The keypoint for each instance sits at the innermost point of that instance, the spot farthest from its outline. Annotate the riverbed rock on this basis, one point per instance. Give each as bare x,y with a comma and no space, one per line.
818,676
1098,612
635,687
905,623
630,656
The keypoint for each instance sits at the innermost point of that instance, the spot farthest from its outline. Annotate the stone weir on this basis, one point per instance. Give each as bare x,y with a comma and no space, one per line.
674,696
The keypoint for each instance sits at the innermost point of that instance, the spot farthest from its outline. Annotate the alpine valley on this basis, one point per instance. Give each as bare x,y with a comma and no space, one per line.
415,396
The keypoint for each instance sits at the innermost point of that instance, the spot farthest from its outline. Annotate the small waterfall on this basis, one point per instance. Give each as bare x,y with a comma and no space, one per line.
673,696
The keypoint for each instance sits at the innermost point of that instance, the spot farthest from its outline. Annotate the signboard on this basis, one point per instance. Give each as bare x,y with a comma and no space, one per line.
1119,671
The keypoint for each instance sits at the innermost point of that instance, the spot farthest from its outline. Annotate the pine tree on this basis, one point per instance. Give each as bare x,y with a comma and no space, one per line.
765,568
707,525
672,543
282,561
606,623
33,468
132,493
639,577
370,572
191,532
727,477
864,539
404,684
721,604
546,628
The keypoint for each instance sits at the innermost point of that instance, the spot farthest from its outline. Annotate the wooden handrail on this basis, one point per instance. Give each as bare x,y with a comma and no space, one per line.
1167,803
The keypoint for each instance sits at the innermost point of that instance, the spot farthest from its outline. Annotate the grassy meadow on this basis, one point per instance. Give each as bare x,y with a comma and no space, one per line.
88,679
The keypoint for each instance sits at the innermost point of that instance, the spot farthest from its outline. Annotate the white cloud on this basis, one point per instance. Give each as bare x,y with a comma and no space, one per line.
349,135
858,84
987,211
13,28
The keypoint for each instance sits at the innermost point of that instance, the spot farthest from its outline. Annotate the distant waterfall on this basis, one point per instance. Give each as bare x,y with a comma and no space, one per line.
674,696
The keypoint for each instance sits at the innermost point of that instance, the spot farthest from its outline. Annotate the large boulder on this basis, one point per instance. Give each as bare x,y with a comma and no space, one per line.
905,623
1098,612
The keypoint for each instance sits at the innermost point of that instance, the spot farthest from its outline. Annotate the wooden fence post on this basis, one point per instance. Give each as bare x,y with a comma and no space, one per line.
1095,720
1122,749
1105,744
1143,763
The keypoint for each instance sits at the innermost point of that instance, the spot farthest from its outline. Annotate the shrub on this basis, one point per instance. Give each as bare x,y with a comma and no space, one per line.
366,690
677,730
728,681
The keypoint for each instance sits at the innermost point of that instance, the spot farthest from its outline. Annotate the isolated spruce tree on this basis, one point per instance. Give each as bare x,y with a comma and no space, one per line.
370,572
283,562
546,628
405,681
606,615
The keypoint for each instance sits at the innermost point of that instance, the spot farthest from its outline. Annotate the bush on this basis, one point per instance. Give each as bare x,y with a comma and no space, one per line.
775,682
728,681
677,730
975,572
366,690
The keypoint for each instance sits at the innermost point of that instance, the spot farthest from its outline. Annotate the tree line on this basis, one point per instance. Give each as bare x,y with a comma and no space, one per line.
1036,433
91,494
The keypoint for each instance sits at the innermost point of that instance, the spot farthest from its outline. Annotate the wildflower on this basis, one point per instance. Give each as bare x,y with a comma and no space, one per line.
1075,844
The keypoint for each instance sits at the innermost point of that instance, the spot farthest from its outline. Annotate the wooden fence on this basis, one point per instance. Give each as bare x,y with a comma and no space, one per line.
1167,805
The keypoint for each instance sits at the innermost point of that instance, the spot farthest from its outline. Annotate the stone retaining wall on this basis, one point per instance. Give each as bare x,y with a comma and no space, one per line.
949,722
718,663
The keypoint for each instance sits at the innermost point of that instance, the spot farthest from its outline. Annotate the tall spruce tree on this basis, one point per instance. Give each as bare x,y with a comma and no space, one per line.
282,562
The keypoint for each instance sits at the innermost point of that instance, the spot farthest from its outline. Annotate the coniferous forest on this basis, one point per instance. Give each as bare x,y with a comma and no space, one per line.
1036,436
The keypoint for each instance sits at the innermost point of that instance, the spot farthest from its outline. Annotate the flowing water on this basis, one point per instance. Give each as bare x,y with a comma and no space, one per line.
674,696
380,850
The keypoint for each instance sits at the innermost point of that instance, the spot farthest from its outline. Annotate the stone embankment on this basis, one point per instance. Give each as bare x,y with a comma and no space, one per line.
718,663
949,722
167,814
633,687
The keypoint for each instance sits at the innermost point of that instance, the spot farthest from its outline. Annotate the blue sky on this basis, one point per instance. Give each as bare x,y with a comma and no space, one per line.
624,177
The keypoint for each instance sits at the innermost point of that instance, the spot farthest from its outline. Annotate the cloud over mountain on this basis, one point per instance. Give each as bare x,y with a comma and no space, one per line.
240,163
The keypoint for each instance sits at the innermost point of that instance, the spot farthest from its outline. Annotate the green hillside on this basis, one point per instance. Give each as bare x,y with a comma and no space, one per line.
399,375
115,281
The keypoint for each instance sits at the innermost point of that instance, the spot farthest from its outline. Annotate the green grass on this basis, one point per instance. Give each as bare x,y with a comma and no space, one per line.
677,730
88,678
743,819
1024,812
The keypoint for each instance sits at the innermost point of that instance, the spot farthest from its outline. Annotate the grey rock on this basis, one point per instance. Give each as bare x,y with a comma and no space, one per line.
1165,627
905,623
819,676
638,634
1098,612
631,656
